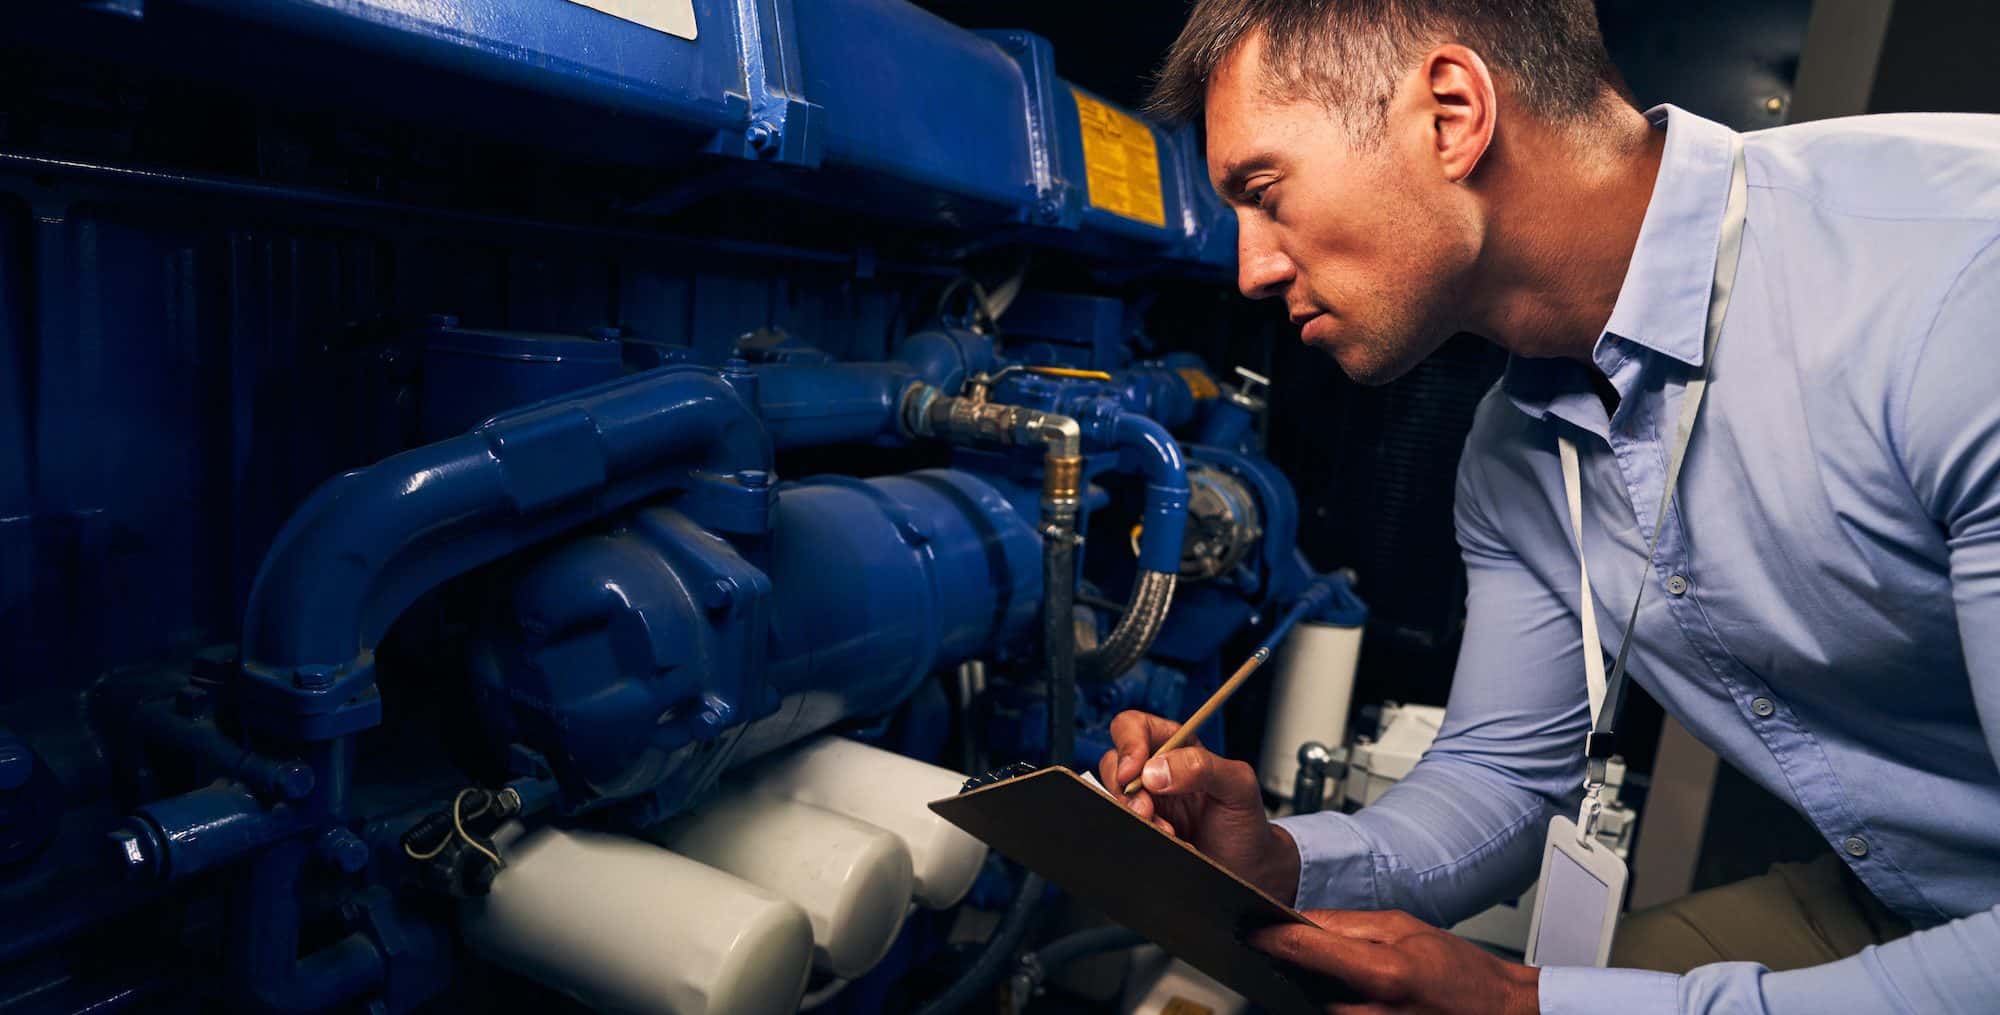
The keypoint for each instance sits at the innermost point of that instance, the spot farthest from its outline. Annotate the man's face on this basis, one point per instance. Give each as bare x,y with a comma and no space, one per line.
1367,244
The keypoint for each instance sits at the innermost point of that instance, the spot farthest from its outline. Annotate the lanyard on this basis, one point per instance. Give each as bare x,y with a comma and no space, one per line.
1607,695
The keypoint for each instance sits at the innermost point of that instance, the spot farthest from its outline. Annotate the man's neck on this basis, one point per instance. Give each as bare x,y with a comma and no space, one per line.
1567,208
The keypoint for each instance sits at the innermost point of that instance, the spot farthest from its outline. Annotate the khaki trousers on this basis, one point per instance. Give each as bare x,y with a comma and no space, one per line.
1798,915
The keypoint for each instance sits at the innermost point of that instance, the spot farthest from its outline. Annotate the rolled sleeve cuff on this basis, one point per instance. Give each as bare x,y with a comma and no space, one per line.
1582,990
1336,865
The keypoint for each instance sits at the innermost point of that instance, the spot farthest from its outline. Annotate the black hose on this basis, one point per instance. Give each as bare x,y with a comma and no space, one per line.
1083,944
1059,635
997,957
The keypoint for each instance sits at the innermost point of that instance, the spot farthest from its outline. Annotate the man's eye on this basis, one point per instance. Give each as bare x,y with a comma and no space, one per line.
1256,196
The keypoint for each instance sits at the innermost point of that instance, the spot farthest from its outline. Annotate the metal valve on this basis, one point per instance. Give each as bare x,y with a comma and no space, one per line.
1250,393
1309,786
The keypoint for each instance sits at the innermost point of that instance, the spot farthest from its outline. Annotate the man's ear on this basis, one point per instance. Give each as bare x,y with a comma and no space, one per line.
1462,107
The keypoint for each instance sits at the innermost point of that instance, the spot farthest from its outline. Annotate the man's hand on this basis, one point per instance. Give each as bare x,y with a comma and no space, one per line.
1394,962
1210,801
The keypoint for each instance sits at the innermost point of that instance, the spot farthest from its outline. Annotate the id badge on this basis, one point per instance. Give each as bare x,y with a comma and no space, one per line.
1576,903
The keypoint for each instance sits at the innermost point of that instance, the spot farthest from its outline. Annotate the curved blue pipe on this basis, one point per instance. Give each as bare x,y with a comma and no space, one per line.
947,356
368,543
816,404
1149,447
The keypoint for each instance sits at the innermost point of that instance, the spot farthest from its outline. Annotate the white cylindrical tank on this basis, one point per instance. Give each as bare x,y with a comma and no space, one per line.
625,926
852,879
1310,696
888,791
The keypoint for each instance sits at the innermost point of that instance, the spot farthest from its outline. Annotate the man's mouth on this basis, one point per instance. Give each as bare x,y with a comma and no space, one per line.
1306,322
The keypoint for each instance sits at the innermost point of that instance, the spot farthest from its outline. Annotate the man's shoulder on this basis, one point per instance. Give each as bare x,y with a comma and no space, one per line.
1909,166
1502,440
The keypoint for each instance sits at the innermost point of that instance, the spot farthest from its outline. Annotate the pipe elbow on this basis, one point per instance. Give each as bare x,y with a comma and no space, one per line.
368,543
1062,435
1164,519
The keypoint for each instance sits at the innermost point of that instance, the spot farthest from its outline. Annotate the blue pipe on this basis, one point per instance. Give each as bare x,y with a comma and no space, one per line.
947,356
816,404
1153,450
264,959
1324,593
368,543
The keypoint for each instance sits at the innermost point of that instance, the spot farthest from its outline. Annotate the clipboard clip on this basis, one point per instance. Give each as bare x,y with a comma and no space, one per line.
1001,774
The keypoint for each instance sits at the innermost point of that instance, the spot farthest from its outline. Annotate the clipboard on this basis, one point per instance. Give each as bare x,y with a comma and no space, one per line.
1068,831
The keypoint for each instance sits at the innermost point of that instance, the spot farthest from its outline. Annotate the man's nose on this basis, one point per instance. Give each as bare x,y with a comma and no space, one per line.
1262,270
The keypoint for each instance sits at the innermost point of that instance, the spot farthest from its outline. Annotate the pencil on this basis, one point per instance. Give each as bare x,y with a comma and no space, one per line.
1208,708
1318,594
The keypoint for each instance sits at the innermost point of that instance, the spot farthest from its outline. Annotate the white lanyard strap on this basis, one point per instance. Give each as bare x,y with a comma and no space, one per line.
1607,694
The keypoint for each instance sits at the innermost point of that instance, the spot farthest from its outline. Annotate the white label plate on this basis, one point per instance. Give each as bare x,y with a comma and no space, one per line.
674,17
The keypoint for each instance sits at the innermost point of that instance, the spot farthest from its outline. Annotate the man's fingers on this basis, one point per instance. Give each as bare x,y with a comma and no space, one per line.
1190,771
1134,736
1387,926
1372,970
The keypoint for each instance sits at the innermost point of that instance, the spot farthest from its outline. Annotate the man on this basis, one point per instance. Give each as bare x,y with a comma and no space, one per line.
1823,608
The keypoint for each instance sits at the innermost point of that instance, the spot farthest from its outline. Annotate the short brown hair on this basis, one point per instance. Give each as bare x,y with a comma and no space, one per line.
1348,54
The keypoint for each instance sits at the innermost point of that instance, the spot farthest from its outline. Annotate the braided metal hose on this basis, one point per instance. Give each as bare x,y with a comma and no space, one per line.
1152,594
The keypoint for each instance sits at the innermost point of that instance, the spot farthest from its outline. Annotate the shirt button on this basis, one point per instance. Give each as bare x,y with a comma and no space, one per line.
1856,846
1677,586
1763,707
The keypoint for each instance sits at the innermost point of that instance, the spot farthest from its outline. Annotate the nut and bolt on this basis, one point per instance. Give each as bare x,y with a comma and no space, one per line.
343,850
315,677
293,780
719,594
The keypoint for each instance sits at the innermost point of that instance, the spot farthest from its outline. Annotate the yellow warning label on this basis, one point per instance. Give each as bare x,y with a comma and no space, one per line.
1200,385
1121,162
1183,1006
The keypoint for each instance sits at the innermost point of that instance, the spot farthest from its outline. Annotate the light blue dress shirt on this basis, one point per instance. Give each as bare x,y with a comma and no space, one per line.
1835,548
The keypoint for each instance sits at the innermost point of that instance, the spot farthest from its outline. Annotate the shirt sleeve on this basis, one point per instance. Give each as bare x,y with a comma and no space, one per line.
1945,431
1464,828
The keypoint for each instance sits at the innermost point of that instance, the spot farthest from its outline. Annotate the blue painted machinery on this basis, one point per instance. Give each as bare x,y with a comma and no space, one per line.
590,560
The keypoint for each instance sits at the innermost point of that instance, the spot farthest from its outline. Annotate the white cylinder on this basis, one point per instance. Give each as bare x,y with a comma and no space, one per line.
888,791
625,926
852,879
1309,699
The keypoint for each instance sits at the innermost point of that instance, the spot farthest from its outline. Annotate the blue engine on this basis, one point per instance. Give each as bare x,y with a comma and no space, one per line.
591,560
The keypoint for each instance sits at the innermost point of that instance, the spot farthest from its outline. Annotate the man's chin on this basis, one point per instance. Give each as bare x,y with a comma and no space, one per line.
1367,366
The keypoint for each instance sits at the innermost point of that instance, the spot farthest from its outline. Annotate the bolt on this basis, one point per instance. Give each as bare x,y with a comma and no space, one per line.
763,137
343,850
131,854
16,763
1774,105
1048,209
314,677
719,595
293,780
1014,43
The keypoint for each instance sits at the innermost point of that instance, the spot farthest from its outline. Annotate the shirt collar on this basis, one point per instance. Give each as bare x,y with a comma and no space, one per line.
1663,304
